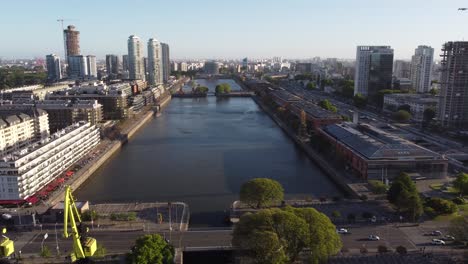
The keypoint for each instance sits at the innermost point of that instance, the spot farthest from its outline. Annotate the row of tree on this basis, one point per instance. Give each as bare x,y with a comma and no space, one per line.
19,76
223,88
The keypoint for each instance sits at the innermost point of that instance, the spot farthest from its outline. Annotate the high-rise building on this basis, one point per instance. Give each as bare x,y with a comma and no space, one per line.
72,41
145,67
211,67
183,67
125,63
401,69
166,62
54,71
374,65
77,67
421,68
174,66
135,58
453,105
92,67
155,62
112,66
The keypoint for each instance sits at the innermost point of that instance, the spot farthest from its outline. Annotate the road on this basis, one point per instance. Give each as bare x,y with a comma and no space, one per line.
411,237
117,242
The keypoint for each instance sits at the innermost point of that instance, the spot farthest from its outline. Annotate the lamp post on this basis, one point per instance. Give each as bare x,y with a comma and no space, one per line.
43,239
56,241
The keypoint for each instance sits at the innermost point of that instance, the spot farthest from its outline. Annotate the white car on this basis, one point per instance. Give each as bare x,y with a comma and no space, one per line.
436,241
342,231
436,233
374,238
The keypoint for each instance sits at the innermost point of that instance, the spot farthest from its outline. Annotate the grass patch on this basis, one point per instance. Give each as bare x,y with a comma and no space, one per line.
446,218
436,186
463,209
451,190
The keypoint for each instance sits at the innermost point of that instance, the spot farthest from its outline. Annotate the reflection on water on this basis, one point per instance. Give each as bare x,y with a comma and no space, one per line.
200,151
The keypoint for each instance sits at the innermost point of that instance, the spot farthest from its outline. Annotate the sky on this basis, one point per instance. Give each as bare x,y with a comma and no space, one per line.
233,29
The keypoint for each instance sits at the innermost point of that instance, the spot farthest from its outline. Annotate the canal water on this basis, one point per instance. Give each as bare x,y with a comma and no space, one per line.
200,151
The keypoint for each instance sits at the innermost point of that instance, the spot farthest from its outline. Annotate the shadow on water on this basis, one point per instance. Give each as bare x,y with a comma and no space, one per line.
210,219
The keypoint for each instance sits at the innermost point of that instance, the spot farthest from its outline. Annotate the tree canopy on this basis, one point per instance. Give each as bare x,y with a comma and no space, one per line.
311,86
286,232
461,183
402,116
261,192
18,76
201,89
223,88
325,104
428,114
359,101
404,195
152,249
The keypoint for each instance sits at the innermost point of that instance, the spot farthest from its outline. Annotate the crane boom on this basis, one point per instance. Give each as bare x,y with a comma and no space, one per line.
83,246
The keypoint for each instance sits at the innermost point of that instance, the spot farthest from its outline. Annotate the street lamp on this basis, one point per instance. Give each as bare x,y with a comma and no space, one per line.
56,241
42,243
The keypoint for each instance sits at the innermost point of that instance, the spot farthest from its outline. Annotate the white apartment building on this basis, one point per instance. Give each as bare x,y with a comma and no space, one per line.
155,71
418,103
18,130
421,68
135,58
26,171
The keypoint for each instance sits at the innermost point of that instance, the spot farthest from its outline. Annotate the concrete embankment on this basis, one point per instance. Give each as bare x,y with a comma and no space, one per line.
333,174
86,171
140,123
108,151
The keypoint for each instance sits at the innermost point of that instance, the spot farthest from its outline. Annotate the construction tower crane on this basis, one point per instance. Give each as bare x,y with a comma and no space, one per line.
83,246
6,245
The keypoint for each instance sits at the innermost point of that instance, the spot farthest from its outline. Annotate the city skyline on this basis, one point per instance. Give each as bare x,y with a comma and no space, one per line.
296,29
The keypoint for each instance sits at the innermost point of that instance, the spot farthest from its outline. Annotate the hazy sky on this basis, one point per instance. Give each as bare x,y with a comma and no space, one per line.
232,29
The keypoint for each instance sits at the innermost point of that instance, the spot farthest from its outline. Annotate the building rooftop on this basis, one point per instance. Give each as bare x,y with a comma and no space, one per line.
41,143
414,98
376,144
315,110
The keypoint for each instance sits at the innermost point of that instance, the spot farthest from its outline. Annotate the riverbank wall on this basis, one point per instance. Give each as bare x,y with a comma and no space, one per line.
110,149
332,174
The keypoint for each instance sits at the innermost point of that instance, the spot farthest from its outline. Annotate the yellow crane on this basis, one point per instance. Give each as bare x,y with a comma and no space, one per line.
7,246
83,246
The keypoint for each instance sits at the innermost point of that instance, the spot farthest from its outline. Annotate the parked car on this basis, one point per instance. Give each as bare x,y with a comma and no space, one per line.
449,238
342,231
439,242
436,233
374,238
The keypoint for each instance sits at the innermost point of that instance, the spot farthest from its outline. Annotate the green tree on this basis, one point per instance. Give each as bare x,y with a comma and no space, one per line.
323,240
261,192
223,88
428,115
325,104
347,88
402,116
296,229
461,183
360,101
433,91
266,248
459,228
405,107
336,214
152,249
201,89
311,86
404,195
45,252
441,206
